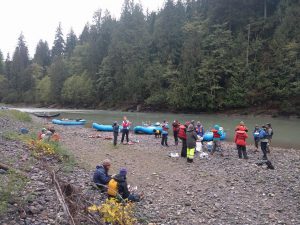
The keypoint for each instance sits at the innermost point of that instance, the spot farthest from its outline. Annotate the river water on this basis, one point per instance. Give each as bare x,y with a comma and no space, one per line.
286,130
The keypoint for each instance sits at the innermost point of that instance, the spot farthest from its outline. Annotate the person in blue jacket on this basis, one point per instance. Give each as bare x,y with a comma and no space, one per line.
263,137
101,177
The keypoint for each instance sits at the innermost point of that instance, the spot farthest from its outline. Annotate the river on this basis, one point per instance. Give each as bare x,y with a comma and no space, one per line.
286,130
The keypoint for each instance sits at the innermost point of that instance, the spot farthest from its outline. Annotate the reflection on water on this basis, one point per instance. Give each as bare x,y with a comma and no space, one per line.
286,131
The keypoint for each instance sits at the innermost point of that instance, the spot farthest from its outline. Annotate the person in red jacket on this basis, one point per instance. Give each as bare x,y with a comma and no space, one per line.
240,140
182,136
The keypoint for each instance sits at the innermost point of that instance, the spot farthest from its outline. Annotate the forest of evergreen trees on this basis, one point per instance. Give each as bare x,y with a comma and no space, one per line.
196,55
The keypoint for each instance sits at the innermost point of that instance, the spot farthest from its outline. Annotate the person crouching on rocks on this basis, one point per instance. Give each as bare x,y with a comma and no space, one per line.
118,188
116,132
240,140
101,177
191,138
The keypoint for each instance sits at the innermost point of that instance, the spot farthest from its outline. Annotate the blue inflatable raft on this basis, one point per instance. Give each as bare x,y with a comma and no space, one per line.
146,130
106,128
69,122
208,136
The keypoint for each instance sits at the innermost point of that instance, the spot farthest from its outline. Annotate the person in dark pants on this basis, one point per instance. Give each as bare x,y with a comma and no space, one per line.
191,138
116,132
165,133
182,136
175,126
256,137
125,130
263,136
240,140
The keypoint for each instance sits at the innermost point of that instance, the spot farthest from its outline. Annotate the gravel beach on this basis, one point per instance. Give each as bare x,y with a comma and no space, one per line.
217,190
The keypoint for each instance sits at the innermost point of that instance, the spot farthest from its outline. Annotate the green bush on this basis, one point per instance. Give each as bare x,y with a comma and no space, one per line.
21,116
10,185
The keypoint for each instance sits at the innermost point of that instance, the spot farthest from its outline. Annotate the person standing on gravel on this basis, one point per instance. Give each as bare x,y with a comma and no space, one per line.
101,177
240,140
217,140
263,136
125,129
256,137
175,126
182,136
165,133
191,138
116,132
270,136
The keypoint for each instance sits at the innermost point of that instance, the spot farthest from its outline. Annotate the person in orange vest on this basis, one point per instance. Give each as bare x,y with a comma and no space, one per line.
240,140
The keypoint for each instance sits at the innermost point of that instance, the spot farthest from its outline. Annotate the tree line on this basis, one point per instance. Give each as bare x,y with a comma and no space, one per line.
197,55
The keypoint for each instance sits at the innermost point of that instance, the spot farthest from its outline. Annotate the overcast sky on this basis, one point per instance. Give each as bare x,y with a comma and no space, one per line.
38,19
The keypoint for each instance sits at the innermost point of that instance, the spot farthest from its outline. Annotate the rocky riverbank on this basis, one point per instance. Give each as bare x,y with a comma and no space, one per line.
217,190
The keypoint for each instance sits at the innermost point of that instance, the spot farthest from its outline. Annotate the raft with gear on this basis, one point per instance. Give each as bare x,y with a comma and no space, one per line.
208,136
105,128
69,122
147,130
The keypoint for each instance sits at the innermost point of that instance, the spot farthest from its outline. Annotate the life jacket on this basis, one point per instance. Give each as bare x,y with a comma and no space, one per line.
112,188
40,136
200,130
240,137
125,124
175,126
55,137
216,133
241,127
181,133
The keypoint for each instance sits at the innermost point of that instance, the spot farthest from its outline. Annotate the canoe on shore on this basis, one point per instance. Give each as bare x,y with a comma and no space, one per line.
46,115
69,122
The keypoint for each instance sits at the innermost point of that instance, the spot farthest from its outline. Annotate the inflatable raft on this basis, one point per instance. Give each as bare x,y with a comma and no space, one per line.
208,136
69,122
106,128
146,130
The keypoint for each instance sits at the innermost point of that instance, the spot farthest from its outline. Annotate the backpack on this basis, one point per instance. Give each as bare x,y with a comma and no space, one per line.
263,134
181,133
112,188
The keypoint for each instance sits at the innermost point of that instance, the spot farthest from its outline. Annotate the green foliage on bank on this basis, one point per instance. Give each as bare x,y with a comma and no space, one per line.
193,55
16,115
